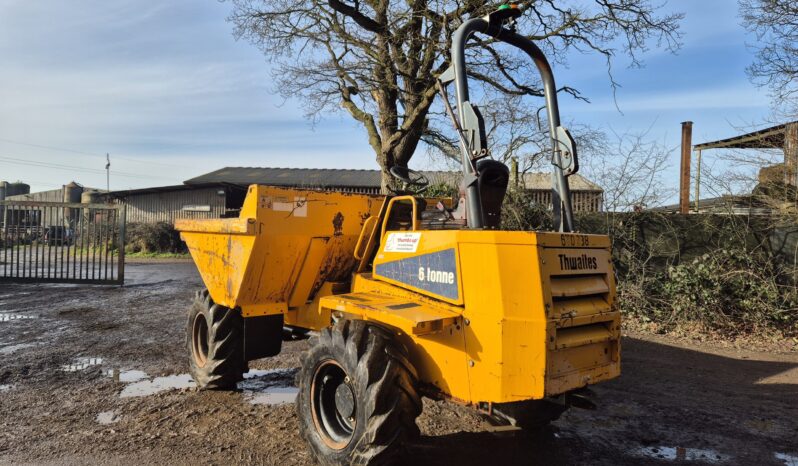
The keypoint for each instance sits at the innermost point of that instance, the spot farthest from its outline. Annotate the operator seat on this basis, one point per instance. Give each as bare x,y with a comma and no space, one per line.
492,182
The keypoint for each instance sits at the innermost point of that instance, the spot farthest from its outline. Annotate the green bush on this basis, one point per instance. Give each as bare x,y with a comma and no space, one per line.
441,190
521,212
731,291
153,238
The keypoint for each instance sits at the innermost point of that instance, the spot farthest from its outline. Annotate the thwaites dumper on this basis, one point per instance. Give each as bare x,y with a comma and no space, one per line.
410,297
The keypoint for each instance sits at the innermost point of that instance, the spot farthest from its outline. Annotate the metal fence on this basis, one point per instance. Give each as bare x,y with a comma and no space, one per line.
55,242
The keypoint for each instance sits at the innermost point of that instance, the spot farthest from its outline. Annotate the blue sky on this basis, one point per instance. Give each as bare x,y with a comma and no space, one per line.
168,92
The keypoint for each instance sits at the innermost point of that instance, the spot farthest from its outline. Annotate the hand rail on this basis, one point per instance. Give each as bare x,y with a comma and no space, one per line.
390,206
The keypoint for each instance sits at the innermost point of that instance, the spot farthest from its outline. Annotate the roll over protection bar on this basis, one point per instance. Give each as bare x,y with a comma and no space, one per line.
563,147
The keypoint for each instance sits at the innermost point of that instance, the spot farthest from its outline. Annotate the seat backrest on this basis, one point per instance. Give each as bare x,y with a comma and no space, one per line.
493,179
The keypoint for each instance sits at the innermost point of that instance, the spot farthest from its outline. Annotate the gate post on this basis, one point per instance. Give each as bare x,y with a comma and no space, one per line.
121,246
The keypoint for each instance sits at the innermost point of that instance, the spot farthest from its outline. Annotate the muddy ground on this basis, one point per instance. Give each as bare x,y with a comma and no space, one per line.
77,364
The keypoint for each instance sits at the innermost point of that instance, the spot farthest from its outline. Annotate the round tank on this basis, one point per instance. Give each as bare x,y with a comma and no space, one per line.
16,189
91,197
3,189
72,193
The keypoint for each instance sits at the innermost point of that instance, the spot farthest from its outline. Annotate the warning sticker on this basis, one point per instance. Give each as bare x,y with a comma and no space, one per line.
297,208
402,242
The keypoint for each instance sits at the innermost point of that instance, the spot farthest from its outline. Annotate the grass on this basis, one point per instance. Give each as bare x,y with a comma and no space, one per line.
157,255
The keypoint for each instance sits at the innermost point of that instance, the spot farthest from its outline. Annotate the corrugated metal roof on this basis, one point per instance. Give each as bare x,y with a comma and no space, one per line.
768,138
739,205
299,177
335,178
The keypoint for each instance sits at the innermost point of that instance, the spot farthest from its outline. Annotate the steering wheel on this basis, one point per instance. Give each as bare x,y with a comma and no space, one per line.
410,179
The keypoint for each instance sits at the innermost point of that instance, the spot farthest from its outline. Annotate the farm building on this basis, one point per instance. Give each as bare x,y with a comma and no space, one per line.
586,195
221,193
777,187
35,218
170,203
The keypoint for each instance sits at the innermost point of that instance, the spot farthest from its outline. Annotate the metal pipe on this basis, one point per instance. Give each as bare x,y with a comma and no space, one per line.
698,181
473,201
684,179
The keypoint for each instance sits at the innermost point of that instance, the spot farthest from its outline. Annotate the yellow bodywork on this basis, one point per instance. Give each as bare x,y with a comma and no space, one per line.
284,247
488,316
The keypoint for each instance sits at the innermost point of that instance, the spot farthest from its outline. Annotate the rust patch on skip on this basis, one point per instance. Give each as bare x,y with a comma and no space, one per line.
338,224
337,265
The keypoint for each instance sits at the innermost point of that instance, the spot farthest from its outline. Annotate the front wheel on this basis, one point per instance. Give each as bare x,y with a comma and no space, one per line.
215,344
357,399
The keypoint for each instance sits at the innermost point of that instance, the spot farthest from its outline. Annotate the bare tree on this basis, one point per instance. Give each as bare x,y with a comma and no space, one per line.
775,23
629,167
379,59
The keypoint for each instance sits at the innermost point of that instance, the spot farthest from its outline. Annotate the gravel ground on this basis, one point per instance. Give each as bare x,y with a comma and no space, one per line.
97,375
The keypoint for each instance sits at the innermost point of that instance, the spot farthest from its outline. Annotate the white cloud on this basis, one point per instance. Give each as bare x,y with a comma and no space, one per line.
163,81
739,96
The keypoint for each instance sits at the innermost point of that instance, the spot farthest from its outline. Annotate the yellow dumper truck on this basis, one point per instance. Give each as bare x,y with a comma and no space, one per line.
410,297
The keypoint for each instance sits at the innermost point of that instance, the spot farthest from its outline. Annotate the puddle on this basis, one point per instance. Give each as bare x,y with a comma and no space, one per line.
788,460
273,387
260,373
11,349
126,376
108,417
12,295
157,385
273,396
681,454
81,364
5,388
8,317
270,387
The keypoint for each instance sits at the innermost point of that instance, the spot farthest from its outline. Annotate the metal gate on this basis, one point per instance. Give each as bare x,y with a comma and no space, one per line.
56,242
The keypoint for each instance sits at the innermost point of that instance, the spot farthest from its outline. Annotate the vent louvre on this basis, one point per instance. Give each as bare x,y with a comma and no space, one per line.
569,286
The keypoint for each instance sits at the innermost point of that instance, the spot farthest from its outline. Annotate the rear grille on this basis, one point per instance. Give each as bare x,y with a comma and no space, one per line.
579,295
569,286
584,325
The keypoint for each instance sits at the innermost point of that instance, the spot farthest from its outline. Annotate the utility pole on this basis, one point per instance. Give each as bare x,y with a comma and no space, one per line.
107,173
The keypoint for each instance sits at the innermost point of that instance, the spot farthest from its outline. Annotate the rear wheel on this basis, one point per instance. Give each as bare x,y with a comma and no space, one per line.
357,397
215,344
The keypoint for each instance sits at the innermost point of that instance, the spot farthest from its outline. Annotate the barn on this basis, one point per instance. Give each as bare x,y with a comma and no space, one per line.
220,193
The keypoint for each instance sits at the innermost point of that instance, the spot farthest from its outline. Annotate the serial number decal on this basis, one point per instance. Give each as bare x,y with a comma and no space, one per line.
575,240
402,242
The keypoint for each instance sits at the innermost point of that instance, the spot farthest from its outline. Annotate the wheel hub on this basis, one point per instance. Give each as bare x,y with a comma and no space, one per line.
333,404
345,400
199,340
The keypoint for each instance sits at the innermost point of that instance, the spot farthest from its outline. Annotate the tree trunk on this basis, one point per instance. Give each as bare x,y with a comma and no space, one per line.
387,182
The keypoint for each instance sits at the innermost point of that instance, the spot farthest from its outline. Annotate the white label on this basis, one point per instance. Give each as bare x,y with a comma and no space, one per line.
298,208
196,208
402,242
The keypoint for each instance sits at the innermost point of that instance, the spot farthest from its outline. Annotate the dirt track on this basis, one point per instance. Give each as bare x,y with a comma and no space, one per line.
672,405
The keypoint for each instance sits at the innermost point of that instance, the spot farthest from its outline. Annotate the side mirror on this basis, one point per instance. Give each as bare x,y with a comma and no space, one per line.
565,151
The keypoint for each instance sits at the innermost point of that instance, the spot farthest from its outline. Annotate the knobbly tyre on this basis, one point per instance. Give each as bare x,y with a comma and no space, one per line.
410,297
